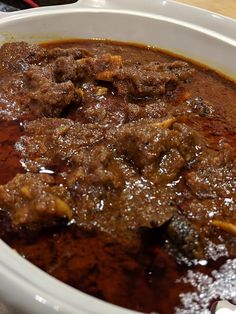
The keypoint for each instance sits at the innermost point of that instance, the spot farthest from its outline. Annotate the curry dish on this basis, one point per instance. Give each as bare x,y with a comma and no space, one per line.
118,172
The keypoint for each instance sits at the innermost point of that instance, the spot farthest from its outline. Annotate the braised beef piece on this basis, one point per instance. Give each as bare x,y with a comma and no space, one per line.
212,182
215,174
100,105
23,55
101,67
35,200
153,79
18,97
149,145
97,166
71,52
154,110
181,107
206,218
214,223
194,107
46,97
159,149
50,141
36,82
115,199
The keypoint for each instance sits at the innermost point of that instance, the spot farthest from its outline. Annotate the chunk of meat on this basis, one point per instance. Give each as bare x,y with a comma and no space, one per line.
64,69
202,215
159,149
51,141
153,110
150,80
101,67
22,56
46,97
138,80
18,99
97,166
100,105
74,52
36,82
35,200
213,186
113,198
214,175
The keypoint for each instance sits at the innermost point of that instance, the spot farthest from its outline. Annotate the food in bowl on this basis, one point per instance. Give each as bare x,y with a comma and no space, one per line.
118,171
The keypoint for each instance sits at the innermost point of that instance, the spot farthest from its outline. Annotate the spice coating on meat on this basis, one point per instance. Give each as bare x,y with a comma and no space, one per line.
53,140
100,68
213,185
115,199
29,84
156,148
151,79
23,55
34,199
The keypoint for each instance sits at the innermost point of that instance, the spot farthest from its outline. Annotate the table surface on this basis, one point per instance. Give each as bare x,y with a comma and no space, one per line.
225,7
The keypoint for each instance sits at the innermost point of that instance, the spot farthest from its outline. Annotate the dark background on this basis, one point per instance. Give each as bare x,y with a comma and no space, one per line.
21,5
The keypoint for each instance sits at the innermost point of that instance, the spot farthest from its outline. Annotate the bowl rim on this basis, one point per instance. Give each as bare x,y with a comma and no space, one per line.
178,11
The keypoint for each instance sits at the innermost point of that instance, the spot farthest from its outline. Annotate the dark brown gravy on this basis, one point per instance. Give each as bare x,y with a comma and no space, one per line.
146,281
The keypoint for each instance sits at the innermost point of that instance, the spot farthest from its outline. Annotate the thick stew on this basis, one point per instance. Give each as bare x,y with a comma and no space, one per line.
118,172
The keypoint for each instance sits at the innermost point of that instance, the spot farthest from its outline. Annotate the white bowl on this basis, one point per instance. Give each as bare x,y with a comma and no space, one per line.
197,34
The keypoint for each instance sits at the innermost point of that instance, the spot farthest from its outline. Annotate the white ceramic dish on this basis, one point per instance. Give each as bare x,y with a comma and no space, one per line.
198,34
